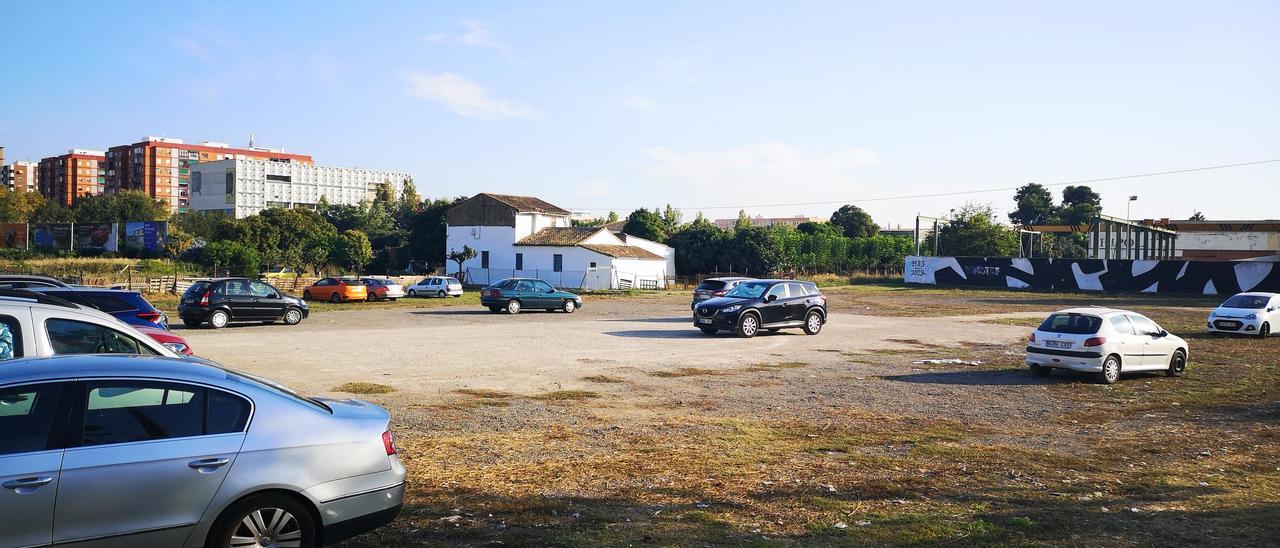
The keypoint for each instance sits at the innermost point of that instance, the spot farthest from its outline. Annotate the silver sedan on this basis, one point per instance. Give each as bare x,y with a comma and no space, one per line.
119,450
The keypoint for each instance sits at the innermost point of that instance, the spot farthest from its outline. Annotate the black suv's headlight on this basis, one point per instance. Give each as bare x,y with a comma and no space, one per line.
730,309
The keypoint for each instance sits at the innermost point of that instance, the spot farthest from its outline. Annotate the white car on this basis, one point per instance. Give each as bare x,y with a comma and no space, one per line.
1246,313
1106,342
436,286
35,325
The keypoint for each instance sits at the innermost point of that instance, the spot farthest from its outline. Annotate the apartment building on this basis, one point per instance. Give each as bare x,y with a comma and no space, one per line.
20,176
242,187
760,220
161,166
70,176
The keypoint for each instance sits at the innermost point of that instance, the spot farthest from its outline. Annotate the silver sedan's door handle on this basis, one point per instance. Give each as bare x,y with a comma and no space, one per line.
208,463
26,483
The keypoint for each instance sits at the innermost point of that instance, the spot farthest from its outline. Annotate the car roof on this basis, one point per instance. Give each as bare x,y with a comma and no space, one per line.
107,365
1256,294
1095,311
31,277
727,279
86,289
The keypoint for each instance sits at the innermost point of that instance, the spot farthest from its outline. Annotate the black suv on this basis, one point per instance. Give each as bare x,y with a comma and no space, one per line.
225,300
764,304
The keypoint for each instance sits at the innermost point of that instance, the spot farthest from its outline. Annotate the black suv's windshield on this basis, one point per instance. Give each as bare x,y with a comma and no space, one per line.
1248,302
749,290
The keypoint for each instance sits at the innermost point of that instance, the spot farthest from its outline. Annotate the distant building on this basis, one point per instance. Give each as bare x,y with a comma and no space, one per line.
67,178
760,220
1225,240
21,176
522,236
243,187
160,166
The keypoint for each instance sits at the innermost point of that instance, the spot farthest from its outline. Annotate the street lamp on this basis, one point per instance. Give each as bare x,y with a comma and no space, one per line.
1127,207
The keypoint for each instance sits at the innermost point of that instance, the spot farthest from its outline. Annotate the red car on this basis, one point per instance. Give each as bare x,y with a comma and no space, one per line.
170,339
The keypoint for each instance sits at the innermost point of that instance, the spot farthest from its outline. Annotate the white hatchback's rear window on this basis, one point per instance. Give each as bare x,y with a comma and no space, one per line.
1071,324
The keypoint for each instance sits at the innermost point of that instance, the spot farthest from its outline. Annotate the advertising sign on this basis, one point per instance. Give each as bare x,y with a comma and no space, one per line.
145,235
97,236
51,235
13,235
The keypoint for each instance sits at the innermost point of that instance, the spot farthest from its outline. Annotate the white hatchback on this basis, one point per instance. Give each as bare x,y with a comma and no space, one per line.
1106,342
1246,313
436,286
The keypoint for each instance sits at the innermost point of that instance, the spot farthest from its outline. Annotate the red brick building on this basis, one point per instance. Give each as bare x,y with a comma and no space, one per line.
77,173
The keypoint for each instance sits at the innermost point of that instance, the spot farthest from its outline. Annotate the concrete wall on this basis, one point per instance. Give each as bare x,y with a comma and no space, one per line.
1206,277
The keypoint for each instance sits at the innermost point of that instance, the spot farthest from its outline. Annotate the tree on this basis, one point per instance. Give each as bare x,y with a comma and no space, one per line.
699,247
646,224
753,251
462,256
18,206
670,219
824,229
855,222
52,212
744,221
1197,216
177,242
1080,205
118,207
352,250
1033,206
230,256
974,232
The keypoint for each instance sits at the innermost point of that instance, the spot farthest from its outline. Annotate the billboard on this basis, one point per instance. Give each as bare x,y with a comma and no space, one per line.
145,235
97,236
13,235
51,235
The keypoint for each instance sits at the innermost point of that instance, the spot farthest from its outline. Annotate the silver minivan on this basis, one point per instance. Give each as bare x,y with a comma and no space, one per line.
129,450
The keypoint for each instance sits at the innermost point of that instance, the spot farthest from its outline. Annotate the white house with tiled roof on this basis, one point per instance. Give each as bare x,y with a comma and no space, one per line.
521,236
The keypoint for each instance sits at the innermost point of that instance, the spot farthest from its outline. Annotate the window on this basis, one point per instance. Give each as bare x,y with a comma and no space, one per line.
542,287
259,289
484,259
796,290
284,178
128,411
1122,325
109,304
1143,326
524,285
593,264
26,417
227,413
557,262
76,337
10,337
519,261
778,290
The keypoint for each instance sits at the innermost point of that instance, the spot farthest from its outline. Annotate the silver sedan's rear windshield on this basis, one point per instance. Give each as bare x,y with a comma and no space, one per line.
277,388
1071,324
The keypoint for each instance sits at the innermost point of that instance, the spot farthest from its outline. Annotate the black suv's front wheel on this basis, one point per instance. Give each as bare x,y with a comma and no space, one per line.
812,323
748,325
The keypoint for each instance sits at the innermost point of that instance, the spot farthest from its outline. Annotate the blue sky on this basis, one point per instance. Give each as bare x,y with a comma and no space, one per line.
624,105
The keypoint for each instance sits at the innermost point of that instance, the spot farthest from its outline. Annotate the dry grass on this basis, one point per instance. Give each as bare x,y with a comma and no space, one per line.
603,379
687,372
364,388
566,395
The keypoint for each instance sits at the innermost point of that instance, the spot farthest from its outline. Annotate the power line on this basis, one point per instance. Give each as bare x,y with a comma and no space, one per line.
955,193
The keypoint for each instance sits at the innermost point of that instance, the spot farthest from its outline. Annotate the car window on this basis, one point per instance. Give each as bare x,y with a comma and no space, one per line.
227,413
1248,302
238,288
1144,326
1122,325
811,288
778,290
712,285
27,415
539,285
10,337
452,281
196,290
109,304
259,289
76,337
1071,324
748,290
128,411
796,290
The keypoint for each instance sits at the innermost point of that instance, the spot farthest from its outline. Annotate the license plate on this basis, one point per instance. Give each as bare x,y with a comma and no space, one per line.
1057,344
1229,325
704,320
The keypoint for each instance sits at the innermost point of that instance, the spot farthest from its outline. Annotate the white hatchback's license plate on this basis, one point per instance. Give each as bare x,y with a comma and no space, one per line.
1058,344
704,320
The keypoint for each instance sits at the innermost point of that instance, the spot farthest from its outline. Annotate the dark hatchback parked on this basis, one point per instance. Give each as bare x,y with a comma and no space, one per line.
225,300
764,304
515,294
127,306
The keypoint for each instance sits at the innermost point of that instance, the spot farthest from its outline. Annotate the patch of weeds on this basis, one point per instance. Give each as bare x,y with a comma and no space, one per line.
563,395
686,372
1016,322
603,379
484,393
364,388
776,366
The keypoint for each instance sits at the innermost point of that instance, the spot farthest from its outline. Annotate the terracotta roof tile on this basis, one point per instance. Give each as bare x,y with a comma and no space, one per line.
559,235
528,204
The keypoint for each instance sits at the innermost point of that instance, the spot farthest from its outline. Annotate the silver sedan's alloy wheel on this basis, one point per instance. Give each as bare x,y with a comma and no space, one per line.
749,325
1111,370
268,528
513,307
218,319
292,316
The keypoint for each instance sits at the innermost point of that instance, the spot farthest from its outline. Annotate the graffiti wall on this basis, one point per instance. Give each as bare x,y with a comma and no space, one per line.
1207,277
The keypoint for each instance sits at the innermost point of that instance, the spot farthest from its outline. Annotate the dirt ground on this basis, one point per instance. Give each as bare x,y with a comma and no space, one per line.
621,424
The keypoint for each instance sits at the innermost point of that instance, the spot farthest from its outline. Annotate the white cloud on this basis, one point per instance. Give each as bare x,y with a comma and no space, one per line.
463,96
676,71
638,102
479,36
762,173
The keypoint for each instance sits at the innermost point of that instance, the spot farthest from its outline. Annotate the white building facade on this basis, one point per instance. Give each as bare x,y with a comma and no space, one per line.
520,236
243,187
